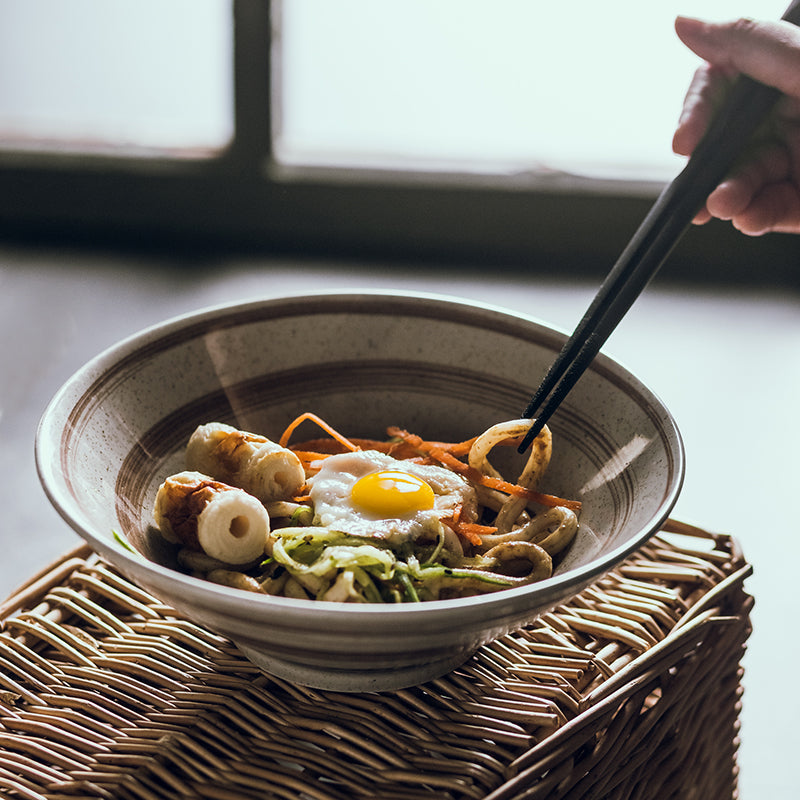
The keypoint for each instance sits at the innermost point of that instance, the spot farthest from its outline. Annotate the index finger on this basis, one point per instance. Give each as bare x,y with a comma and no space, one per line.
769,52
699,104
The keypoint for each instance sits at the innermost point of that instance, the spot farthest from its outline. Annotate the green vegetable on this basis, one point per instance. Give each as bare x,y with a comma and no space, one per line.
123,541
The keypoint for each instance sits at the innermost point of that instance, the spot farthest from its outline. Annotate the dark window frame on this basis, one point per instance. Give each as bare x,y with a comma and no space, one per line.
241,199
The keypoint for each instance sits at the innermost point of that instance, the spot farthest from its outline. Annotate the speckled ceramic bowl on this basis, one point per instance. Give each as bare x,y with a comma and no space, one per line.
439,367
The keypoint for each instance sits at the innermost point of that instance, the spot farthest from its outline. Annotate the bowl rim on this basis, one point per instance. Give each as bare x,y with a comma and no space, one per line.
219,597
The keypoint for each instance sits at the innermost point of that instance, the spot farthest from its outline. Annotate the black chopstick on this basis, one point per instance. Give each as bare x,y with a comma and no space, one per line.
671,215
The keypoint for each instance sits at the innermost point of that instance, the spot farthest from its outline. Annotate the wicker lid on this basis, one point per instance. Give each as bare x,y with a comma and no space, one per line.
629,690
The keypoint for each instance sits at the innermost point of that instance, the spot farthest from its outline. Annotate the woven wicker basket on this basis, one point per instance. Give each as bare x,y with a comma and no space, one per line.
630,690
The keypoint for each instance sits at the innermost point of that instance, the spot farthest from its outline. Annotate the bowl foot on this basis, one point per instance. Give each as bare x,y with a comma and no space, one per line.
353,679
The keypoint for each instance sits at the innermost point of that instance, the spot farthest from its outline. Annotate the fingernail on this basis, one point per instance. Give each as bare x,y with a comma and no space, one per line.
689,25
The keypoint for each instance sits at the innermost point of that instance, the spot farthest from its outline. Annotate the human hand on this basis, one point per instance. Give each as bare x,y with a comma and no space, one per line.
762,193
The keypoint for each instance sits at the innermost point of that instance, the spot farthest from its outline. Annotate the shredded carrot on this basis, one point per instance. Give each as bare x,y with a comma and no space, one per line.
453,519
477,527
374,444
454,448
458,448
308,457
463,529
334,444
463,448
284,440
431,448
324,446
476,476
550,500
472,531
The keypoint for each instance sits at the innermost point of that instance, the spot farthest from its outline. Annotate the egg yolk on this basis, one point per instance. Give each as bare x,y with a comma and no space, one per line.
392,493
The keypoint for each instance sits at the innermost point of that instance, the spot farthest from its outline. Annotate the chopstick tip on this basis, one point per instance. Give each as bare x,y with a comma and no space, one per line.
534,430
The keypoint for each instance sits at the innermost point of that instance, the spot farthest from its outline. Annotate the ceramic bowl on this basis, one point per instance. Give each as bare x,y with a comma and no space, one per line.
443,368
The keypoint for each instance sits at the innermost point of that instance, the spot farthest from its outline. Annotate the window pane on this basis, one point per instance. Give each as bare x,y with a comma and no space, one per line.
88,74
489,85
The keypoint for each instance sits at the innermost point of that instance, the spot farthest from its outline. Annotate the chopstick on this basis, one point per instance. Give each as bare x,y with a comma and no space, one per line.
671,215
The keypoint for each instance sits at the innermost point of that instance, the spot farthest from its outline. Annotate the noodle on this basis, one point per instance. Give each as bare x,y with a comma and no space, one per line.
393,521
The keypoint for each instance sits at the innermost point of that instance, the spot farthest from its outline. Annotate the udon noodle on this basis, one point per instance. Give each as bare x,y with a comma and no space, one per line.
361,520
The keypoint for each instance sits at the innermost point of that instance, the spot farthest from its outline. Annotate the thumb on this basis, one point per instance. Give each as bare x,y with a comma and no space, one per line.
766,51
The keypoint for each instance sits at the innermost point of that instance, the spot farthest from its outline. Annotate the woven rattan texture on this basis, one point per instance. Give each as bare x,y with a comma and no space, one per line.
631,690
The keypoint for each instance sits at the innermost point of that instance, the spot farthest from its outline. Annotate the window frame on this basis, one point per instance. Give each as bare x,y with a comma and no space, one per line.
243,200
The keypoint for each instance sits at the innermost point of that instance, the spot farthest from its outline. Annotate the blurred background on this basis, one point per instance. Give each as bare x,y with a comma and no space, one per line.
157,157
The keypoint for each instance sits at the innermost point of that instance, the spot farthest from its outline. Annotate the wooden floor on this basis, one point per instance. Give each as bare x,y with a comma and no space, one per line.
725,361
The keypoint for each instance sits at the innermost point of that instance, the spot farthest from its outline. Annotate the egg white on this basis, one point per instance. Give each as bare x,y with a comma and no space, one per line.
331,487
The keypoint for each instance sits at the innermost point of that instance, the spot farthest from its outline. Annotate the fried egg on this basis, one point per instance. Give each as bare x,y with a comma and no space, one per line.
368,493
